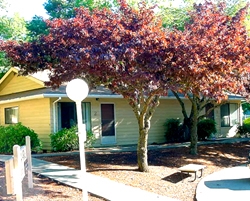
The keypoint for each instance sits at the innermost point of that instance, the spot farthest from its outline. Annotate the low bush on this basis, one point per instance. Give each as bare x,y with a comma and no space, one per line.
205,128
15,134
90,139
67,139
174,131
244,129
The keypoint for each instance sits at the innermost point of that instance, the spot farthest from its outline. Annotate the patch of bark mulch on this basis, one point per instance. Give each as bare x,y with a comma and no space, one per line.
163,178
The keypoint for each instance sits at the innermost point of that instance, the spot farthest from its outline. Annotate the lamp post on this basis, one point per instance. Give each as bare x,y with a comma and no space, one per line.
77,90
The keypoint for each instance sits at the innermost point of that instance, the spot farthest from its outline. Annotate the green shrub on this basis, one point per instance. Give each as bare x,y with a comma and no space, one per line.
90,139
244,129
205,128
174,131
15,134
67,139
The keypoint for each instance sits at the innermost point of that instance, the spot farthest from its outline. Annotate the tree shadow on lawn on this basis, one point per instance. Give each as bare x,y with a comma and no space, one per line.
221,155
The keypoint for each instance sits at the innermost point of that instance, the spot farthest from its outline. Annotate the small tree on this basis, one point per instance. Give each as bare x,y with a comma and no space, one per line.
212,57
126,50
129,52
11,28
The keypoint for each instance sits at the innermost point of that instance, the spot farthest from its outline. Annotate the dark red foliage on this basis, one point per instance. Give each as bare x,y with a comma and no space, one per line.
126,50
129,52
212,53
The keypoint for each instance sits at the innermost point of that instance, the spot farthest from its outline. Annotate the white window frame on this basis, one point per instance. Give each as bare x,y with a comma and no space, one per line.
11,115
232,117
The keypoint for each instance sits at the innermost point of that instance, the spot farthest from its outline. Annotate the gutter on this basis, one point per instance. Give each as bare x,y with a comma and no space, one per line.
53,96
89,96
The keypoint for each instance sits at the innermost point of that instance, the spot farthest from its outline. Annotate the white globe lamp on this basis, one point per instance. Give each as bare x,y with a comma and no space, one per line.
77,90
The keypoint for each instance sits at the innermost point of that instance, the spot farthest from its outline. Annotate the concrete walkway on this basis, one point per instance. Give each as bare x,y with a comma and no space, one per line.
97,185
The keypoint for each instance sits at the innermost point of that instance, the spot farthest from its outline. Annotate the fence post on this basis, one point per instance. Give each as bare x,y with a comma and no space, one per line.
18,180
28,153
9,168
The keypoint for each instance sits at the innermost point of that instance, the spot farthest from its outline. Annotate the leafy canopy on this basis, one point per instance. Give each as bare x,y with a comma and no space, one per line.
123,50
131,53
212,52
126,50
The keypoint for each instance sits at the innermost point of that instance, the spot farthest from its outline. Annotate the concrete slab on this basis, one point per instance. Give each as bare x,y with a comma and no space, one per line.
228,184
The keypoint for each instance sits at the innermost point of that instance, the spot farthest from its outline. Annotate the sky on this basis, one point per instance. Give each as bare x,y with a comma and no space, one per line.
26,8
30,8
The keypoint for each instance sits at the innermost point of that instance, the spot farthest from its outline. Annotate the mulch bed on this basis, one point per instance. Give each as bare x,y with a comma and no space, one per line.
163,178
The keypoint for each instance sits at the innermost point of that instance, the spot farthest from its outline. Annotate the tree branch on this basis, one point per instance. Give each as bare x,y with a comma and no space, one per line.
183,109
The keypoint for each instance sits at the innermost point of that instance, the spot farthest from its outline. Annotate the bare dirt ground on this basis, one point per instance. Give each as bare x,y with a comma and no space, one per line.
163,178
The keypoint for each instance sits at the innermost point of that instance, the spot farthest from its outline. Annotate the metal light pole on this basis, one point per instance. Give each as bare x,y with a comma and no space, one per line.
77,90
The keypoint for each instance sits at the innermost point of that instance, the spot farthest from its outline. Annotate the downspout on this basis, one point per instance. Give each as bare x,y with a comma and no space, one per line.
54,113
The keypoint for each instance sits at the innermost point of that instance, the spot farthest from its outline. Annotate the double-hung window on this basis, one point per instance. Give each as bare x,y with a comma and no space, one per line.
229,114
11,115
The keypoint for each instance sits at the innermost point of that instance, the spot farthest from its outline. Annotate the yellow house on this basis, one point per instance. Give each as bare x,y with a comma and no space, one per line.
27,100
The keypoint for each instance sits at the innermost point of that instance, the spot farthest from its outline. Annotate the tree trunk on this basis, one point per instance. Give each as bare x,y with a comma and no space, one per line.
186,121
143,109
193,130
190,122
186,129
142,150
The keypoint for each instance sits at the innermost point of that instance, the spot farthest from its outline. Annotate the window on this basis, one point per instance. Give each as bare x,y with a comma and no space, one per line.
68,117
86,115
229,114
11,115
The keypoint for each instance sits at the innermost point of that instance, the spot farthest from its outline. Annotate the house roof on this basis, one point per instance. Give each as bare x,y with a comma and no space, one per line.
48,92
39,77
99,92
